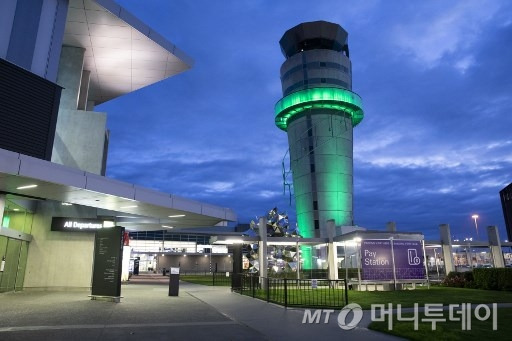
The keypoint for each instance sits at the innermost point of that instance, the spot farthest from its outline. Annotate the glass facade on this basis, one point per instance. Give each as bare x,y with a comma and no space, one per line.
13,252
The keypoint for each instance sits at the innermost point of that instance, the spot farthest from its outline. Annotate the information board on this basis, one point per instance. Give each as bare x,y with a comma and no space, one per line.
377,259
408,259
108,254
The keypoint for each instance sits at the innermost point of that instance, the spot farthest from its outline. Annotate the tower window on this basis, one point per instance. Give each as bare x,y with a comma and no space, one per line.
315,205
317,225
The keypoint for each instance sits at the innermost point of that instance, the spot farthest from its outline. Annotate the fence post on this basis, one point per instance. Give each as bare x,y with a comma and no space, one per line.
268,289
346,291
213,278
285,293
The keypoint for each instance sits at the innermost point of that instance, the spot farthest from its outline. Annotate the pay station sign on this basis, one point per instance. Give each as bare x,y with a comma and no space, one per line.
66,224
380,256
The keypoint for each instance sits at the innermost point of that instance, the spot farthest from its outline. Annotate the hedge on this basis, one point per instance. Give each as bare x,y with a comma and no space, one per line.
493,278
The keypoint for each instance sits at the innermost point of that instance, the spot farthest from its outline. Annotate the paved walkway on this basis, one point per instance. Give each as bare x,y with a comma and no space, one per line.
147,313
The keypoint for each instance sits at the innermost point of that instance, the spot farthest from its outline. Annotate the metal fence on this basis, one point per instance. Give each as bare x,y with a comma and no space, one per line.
319,293
208,278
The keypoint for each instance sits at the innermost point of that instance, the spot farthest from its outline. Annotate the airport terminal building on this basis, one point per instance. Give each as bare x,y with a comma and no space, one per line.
59,59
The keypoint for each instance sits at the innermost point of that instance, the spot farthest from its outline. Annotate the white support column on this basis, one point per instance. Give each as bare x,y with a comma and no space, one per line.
298,259
262,251
332,252
495,247
446,244
2,208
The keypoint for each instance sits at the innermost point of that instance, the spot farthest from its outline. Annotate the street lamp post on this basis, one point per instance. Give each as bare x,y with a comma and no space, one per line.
475,216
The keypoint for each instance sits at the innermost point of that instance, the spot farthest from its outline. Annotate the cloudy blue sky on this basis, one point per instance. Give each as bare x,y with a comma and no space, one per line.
435,77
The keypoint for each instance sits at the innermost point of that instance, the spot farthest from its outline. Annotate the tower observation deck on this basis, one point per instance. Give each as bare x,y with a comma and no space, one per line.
318,111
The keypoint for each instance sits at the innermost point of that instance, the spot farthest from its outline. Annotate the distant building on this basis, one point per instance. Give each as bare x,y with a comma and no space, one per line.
506,203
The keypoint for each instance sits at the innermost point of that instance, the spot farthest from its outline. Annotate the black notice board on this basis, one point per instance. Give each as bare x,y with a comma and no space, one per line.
108,256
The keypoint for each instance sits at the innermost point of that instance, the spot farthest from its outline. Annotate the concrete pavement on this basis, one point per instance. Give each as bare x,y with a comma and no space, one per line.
147,313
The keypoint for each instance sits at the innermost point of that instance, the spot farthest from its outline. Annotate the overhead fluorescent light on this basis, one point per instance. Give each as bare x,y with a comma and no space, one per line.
15,209
233,241
169,227
26,187
176,216
132,206
126,216
66,204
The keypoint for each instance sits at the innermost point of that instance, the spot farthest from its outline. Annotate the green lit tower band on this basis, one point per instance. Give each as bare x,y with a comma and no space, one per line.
318,111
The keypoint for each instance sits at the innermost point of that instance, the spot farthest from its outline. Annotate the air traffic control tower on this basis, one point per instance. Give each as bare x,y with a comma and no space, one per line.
318,111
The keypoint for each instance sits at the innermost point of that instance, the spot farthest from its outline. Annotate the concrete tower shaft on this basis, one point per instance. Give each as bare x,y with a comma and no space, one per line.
319,111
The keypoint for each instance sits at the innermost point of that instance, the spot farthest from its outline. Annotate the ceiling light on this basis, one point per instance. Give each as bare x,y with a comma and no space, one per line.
15,209
169,227
176,216
66,204
26,187
132,206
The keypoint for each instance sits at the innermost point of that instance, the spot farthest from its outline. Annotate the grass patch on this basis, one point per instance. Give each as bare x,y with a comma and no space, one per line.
422,295
450,330
206,280
321,297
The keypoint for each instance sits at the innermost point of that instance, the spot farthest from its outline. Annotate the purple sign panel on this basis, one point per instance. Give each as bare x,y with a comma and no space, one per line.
376,260
408,259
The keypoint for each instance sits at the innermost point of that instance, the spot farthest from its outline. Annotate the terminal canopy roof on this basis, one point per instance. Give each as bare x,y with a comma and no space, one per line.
122,53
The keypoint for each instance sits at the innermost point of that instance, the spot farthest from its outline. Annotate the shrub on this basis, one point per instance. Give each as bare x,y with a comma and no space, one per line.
458,280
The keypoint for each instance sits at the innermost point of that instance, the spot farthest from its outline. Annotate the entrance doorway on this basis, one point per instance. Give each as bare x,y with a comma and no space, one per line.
13,255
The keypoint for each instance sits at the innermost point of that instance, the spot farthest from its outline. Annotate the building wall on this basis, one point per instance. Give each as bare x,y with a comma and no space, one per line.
196,263
316,69
80,138
322,170
31,34
59,260
506,204
28,111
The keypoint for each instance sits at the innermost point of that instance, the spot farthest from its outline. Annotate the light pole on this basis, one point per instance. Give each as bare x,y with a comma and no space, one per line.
475,216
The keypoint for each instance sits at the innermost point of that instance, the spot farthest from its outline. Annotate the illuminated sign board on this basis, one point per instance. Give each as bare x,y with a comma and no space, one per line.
384,259
66,224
